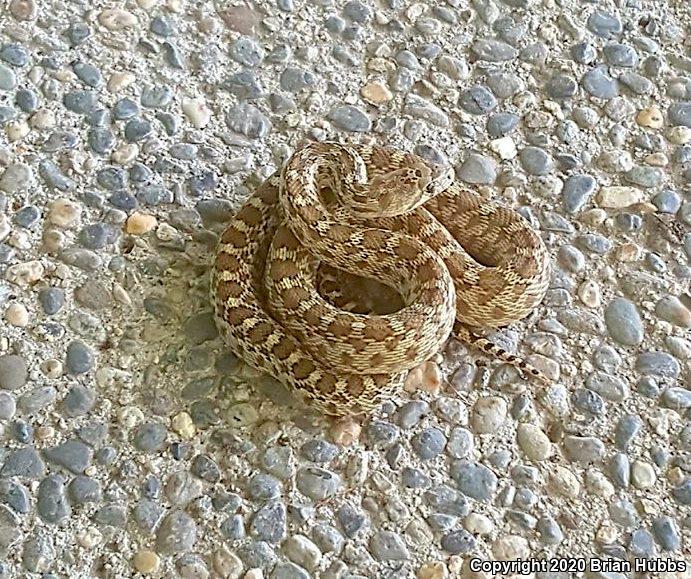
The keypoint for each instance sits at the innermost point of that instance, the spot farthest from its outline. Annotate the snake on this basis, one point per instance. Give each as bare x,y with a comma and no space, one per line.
461,263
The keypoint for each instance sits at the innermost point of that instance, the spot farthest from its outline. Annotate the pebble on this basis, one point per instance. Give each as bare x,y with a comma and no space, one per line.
25,463
679,114
536,161
623,322
533,442
13,372
478,170
72,454
599,84
350,118
150,437
176,534
79,358
17,177
316,483
474,480
52,504
657,364
493,50
584,449
671,309
489,414
388,546
146,562
429,443
140,223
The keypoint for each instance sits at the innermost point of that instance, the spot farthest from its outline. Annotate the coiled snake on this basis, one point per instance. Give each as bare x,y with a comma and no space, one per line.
459,262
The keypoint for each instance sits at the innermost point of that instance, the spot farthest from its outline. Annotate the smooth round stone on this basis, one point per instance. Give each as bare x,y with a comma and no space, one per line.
501,124
577,191
51,299
125,109
458,542
478,169
561,86
536,161
604,24
477,100
626,430
79,358
583,53
27,216
675,398
584,449
388,546
319,451
161,26
294,79
74,455
262,487
666,533
414,478
679,114
671,309
317,483
621,55
78,401
14,55
52,504
26,100
474,480
645,176
350,118
101,140
599,84
150,437
429,443
588,401
8,80
177,533
619,470
77,32
156,97
8,405
334,24
88,74
493,50
247,52
623,322
137,129
13,372
657,364
667,201
269,523
80,101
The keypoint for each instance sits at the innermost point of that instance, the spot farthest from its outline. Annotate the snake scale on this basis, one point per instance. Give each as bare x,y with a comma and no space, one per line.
460,262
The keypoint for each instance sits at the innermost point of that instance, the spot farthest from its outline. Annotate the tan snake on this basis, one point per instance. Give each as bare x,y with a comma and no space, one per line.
458,261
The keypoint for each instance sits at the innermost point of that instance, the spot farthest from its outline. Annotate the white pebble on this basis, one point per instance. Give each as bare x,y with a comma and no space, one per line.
589,293
64,213
510,548
117,19
17,315
535,443
478,524
43,119
17,130
562,481
619,197
489,414
24,274
642,474
504,147
5,226
197,111
125,153
120,80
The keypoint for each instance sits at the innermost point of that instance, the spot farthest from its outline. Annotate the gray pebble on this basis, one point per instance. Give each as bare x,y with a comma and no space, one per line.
382,434
584,449
429,443
8,406
645,176
8,80
599,84
84,489
150,437
657,364
493,50
351,520
317,483
667,201
295,79
460,443
37,399
411,413
414,478
162,26
666,533
356,11
147,514
52,299
246,51
500,124
26,100
125,109
620,469
577,192
233,528
38,553
269,523
682,493
536,161
288,570
137,129
81,258
27,216
263,487
54,177
177,533
350,118
51,502
24,463
97,236
327,538
477,100
610,386
679,114
257,554
15,495
243,85
550,531
444,499
478,169
74,455
561,86
248,120
642,544
88,74
79,357
675,397
474,480
80,101
205,468
101,140
627,428
156,97
423,109
111,516
604,24
77,32
623,322
588,402
319,451
636,83
621,55
388,546
14,55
